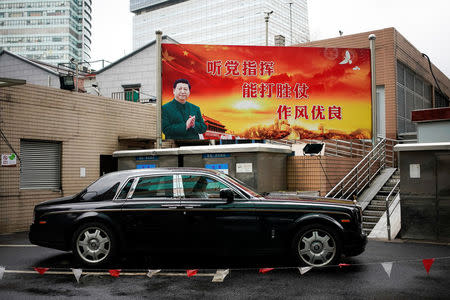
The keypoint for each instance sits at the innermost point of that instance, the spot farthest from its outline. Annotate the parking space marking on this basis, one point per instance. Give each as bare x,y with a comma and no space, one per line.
13,245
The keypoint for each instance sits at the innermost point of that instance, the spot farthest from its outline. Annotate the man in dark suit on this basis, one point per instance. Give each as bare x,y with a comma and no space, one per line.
182,120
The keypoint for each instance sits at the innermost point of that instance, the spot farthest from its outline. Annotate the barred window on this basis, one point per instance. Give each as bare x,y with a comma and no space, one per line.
413,92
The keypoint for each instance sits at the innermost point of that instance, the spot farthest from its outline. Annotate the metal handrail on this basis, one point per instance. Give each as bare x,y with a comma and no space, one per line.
387,209
339,148
142,97
363,173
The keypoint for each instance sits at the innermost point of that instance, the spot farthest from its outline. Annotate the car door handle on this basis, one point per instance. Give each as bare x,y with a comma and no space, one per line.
173,206
191,206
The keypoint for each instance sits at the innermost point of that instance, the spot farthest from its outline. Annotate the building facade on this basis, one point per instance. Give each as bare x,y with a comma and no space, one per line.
226,22
52,31
62,141
404,80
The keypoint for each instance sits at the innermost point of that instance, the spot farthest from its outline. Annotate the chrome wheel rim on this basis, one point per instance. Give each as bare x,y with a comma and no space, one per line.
93,245
317,247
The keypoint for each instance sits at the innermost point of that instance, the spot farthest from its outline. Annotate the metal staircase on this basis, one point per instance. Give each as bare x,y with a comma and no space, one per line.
377,206
372,182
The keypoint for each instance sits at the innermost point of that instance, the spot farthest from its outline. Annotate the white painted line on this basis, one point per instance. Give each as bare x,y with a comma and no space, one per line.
25,245
106,273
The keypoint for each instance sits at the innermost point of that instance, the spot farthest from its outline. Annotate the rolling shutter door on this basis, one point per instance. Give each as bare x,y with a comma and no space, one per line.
40,165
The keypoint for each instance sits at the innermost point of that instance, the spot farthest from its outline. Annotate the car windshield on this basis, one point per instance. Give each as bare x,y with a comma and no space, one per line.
104,188
241,184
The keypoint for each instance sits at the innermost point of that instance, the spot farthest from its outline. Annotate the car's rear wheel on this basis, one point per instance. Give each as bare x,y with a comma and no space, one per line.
317,246
94,244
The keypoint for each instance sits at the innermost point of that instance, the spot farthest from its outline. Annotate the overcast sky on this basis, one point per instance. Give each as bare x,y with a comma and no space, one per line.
426,24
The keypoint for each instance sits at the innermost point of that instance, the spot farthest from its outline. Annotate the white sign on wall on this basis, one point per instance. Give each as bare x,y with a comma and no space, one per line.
244,168
82,172
9,160
414,171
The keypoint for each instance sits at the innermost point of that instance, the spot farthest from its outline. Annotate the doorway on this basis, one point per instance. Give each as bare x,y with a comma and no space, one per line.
108,164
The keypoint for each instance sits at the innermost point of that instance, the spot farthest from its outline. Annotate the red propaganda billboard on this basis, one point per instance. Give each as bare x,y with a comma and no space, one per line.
254,92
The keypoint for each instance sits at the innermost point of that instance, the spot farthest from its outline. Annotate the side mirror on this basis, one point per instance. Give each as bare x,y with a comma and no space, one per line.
227,194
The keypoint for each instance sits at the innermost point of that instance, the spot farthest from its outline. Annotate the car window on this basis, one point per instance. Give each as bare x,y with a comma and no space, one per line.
124,192
154,187
198,186
90,195
241,185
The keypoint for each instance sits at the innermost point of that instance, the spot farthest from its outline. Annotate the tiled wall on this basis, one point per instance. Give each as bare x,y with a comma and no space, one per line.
317,173
86,125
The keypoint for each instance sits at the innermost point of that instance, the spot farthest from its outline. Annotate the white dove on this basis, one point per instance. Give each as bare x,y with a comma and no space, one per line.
347,59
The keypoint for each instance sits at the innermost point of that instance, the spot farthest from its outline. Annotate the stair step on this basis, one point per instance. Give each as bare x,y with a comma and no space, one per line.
392,182
367,230
380,198
369,225
388,188
376,207
370,218
379,202
377,213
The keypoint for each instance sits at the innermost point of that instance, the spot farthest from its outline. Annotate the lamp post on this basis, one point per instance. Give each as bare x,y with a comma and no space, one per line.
290,18
158,34
266,18
72,60
372,39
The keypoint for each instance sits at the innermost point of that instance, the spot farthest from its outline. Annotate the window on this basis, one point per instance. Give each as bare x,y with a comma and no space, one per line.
124,192
413,92
131,92
440,99
40,166
154,187
197,186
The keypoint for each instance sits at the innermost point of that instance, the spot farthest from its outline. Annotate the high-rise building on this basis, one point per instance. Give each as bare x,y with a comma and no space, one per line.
228,22
52,31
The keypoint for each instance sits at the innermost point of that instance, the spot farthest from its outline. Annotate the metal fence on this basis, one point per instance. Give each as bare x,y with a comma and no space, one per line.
365,171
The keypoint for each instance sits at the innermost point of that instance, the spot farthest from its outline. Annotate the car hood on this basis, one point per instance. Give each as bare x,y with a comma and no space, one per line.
61,200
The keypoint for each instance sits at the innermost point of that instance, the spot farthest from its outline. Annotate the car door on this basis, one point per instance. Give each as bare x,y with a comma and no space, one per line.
151,215
211,223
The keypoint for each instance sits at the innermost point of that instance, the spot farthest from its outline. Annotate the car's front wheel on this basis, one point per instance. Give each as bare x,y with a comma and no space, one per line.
93,244
317,246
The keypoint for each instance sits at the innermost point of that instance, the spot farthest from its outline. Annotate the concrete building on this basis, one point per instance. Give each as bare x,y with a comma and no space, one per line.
56,142
52,31
40,73
226,22
403,78
135,72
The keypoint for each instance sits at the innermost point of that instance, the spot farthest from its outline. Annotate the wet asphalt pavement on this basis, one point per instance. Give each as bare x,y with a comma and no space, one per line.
364,278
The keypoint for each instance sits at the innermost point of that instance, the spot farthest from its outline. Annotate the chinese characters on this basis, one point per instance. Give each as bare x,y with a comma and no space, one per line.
236,68
278,90
317,112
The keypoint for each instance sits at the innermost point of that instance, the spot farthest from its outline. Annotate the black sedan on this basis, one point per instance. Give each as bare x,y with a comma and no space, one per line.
186,209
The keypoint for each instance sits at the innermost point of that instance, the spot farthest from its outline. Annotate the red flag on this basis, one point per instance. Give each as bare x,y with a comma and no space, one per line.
115,273
265,270
191,273
344,265
427,264
41,270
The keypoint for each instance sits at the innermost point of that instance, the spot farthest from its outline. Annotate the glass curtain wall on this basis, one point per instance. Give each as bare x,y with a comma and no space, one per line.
228,22
51,31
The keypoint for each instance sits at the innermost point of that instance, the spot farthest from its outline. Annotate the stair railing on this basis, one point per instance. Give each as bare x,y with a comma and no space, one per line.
342,148
387,209
362,174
